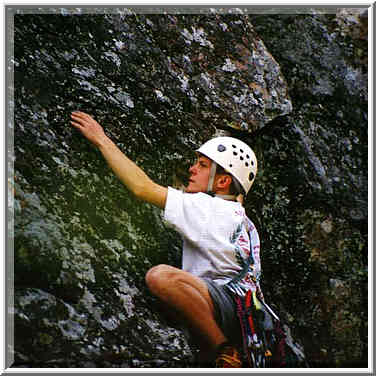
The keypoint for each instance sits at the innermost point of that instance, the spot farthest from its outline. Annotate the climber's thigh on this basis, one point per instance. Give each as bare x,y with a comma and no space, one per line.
167,281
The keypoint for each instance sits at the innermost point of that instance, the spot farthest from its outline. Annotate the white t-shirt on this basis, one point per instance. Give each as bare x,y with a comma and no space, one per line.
216,240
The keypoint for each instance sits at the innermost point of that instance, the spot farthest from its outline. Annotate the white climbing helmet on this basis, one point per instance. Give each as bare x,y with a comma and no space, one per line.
235,156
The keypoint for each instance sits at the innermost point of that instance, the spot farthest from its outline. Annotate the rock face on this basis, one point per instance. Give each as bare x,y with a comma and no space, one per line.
318,154
292,86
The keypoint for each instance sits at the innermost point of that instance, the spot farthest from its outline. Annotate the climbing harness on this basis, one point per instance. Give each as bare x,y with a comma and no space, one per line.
265,343
258,337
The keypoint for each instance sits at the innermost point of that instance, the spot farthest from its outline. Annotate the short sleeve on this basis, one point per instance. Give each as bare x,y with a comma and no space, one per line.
187,212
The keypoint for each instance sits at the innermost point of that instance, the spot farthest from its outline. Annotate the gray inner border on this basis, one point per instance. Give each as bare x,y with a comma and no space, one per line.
66,9
182,9
9,172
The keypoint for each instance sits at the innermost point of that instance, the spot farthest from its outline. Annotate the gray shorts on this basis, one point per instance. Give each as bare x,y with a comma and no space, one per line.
225,311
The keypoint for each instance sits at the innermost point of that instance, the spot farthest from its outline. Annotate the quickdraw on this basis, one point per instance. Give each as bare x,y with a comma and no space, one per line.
256,350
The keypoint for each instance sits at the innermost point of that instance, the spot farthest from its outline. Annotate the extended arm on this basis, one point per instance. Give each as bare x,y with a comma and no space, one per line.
132,176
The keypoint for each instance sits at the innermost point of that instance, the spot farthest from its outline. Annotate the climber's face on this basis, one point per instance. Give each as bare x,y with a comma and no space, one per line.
199,178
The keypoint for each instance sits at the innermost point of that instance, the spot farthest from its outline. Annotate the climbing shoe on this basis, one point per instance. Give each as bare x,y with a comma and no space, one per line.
227,357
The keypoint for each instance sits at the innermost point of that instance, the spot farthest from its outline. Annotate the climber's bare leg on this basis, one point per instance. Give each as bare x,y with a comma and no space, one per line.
189,296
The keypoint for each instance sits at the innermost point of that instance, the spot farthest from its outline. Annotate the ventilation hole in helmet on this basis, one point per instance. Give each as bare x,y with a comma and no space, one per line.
246,164
221,148
234,146
247,156
251,176
241,150
230,165
252,163
235,153
241,158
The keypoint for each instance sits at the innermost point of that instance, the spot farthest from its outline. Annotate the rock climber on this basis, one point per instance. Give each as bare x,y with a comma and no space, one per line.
217,234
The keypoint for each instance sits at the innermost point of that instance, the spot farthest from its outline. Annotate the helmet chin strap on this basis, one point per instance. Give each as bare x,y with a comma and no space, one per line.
213,171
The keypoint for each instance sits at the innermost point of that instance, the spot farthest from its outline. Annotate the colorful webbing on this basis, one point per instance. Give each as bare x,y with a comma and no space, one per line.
242,320
248,310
